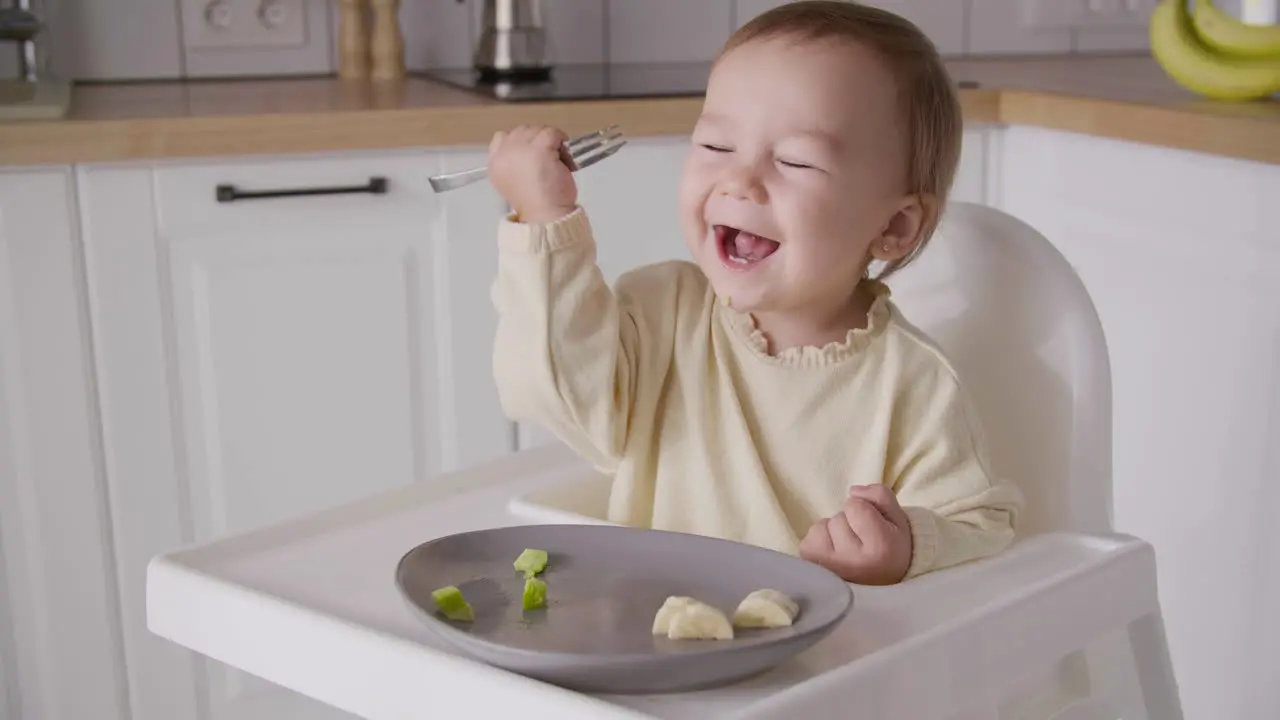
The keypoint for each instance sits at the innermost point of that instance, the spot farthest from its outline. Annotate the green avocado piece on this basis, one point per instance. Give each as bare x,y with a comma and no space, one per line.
535,594
531,562
455,607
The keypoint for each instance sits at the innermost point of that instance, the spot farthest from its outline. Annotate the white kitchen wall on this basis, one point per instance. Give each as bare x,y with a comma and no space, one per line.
995,27
643,31
111,39
692,30
127,39
313,56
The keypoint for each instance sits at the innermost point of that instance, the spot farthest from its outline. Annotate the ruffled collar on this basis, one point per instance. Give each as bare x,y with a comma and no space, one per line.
743,325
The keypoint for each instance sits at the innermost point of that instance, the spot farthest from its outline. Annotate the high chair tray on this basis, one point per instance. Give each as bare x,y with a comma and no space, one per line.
311,604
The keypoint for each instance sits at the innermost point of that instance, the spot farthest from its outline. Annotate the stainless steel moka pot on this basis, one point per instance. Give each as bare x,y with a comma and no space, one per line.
513,43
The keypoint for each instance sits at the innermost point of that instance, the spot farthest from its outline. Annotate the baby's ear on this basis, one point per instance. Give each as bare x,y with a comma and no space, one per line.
905,229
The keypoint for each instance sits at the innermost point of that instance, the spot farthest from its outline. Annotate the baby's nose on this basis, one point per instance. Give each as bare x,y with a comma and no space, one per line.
743,184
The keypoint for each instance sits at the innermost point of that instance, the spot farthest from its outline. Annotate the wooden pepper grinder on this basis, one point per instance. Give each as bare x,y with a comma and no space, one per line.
353,40
387,41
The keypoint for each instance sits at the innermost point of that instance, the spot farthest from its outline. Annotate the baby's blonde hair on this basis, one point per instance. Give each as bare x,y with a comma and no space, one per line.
927,97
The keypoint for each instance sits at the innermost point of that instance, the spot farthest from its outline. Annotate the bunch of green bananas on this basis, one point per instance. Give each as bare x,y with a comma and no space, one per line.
1211,53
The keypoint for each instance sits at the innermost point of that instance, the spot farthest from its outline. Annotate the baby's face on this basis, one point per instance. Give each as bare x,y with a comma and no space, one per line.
795,173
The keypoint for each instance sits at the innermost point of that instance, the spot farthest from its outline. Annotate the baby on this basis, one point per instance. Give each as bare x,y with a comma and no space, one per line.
769,392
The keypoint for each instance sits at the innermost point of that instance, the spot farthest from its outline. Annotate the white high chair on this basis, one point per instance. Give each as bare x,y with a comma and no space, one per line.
1065,625
1018,324
1020,327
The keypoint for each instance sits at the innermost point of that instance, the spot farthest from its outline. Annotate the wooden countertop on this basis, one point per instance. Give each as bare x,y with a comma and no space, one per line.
1127,98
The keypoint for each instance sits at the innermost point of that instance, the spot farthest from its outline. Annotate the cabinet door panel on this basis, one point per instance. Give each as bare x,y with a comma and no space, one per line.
59,641
467,254
305,367
632,199
970,184
260,360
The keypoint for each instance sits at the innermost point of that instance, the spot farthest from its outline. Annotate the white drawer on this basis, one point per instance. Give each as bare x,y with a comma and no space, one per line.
284,193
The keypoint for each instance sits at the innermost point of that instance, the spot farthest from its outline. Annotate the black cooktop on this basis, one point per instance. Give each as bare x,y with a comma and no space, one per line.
593,82
588,82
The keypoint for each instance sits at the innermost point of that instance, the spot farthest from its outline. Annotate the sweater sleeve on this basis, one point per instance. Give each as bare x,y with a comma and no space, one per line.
568,354
958,510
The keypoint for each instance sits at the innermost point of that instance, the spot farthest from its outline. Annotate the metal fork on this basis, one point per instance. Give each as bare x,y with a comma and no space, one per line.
585,151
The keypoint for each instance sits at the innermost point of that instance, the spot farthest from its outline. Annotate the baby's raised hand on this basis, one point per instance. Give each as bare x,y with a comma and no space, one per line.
527,166
868,542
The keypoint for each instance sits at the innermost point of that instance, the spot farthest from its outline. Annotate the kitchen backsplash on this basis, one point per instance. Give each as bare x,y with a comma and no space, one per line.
127,39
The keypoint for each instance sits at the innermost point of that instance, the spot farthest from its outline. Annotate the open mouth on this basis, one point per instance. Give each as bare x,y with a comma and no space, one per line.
739,248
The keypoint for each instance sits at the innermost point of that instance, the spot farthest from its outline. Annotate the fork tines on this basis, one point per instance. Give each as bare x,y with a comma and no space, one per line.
583,151
591,148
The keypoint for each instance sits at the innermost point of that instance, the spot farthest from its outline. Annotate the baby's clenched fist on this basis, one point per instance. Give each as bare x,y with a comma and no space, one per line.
868,542
529,167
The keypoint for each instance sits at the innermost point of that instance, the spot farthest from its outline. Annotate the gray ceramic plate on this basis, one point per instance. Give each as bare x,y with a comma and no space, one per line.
604,585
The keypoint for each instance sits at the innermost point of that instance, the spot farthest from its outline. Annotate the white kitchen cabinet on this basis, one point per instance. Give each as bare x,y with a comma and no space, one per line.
59,649
265,358
467,252
972,178
1182,256
632,199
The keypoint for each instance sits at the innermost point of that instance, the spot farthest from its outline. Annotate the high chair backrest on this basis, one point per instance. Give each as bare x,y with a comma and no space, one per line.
1022,331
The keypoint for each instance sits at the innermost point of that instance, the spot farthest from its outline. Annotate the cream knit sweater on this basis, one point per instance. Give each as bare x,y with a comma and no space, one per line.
674,395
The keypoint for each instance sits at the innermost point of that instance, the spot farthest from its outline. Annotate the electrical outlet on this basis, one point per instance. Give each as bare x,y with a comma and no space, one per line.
244,23
1085,14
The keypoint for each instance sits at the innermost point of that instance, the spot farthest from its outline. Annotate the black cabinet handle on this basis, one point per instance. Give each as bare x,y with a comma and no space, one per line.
230,193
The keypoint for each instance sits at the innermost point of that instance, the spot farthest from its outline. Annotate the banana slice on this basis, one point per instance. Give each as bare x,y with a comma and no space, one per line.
765,608
669,609
699,621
